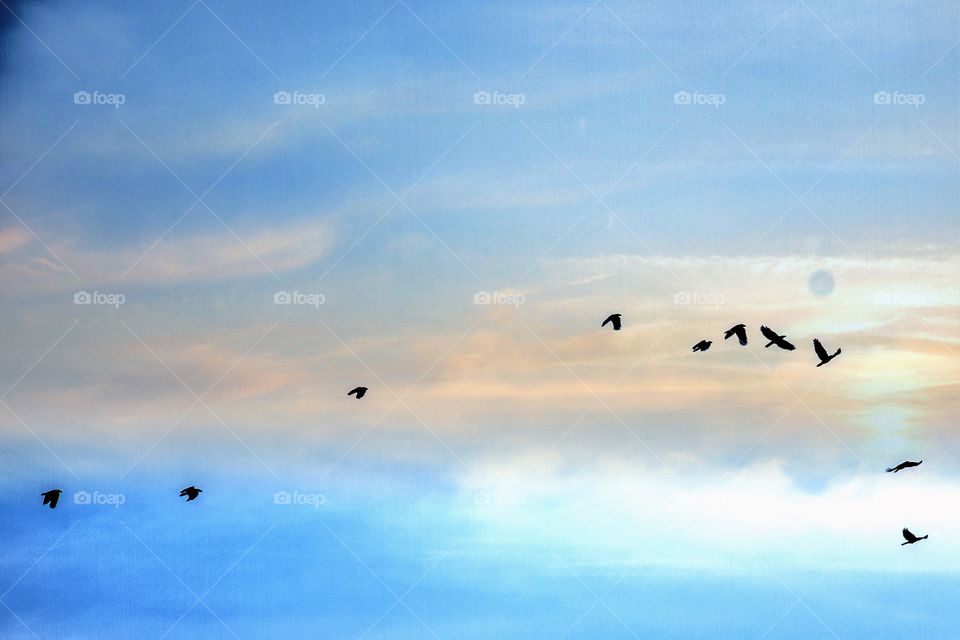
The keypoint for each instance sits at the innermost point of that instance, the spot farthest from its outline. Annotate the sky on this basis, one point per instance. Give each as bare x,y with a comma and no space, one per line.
217,218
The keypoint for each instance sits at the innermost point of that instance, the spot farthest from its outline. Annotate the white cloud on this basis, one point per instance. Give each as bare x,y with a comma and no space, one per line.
628,514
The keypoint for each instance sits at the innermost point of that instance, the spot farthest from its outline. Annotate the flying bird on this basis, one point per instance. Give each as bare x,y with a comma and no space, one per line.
739,330
775,338
703,345
359,391
613,319
904,465
191,493
822,353
51,497
910,538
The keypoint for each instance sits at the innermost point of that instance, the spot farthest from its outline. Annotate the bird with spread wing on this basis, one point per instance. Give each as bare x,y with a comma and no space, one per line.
822,353
775,339
739,330
910,538
191,493
51,497
614,320
906,464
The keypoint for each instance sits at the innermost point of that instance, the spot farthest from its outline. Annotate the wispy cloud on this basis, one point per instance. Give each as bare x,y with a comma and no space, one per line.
175,258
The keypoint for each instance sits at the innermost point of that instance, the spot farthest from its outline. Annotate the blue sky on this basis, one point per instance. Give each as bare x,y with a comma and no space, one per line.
515,471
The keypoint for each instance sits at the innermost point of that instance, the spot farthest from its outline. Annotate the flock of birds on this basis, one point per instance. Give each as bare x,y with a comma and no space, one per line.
740,330
775,339
191,493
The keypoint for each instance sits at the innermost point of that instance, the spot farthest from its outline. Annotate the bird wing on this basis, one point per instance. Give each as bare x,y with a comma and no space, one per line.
821,352
353,392
786,345
909,537
609,319
769,333
742,334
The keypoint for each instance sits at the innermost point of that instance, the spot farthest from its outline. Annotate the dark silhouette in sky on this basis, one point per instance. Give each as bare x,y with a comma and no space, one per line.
776,339
904,465
703,345
614,319
359,391
51,497
822,353
191,492
739,330
910,538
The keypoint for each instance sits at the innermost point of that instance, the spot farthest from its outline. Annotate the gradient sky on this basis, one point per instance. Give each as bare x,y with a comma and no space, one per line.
514,471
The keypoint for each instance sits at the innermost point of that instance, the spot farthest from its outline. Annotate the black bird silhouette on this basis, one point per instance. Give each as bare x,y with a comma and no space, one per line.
910,538
703,345
822,353
359,391
51,497
191,492
775,338
904,465
739,330
614,319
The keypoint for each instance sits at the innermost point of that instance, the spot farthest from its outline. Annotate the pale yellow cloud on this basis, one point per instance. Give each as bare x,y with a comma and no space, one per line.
523,376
